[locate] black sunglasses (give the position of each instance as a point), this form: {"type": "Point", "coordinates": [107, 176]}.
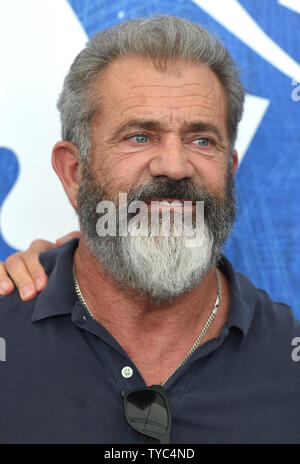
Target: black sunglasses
{"type": "Point", "coordinates": [147, 411]}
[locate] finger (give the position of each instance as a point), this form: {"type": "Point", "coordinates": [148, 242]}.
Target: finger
{"type": "Point", "coordinates": [19, 274]}
{"type": "Point", "coordinates": [66, 238]}
{"type": "Point", "coordinates": [6, 285]}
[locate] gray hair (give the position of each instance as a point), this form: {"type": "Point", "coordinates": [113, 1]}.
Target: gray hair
{"type": "Point", "coordinates": [158, 38]}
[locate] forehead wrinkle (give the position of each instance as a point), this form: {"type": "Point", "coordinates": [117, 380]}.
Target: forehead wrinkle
{"type": "Point", "coordinates": [170, 86]}
{"type": "Point", "coordinates": [209, 108]}
{"type": "Point", "coordinates": [153, 97]}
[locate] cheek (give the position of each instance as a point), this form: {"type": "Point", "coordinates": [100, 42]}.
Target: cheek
{"type": "Point", "coordinates": [129, 172]}
{"type": "Point", "coordinates": [213, 177]}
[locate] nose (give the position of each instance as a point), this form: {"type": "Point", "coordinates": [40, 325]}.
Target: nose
{"type": "Point", "coordinates": [171, 160]}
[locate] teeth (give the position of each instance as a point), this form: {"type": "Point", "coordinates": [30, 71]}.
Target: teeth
{"type": "Point", "coordinates": [167, 203]}
{"type": "Point", "coordinates": [176, 203]}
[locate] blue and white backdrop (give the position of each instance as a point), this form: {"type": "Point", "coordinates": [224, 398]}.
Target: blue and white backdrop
{"type": "Point", "coordinates": [38, 41]}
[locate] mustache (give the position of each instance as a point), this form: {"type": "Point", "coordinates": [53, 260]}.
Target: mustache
{"type": "Point", "coordinates": [183, 189]}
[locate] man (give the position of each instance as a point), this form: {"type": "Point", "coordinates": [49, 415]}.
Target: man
{"type": "Point", "coordinates": [149, 108]}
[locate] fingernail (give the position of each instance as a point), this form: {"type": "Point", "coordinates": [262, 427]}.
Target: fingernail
{"type": "Point", "coordinates": [27, 291]}
{"type": "Point", "coordinates": [4, 285]}
{"type": "Point", "coordinates": [39, 283]}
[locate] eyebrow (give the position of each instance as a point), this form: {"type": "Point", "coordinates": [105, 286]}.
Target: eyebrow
{"type": "Point", "coordinates": [149, 124]}
{"type": "Point", "coordinates": [145, 124]}
{"type": "Point", "coordinates": [199, 126]}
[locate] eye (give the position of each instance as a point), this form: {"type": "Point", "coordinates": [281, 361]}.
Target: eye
{"type": "Point", "coordinates": [202, 142]}
{"type": "Point", "coordinates": [139, 138]}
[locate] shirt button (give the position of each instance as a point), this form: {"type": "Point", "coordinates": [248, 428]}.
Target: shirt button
{"type": "Point", "coordinates": [127, 372]}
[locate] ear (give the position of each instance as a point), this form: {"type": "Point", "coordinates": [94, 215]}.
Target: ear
{"type": "Point", "coordinates": [234, 162]}
{"type": "Point", "coordinates": [66, 164]}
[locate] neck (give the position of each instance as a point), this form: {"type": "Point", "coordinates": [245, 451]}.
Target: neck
{"type": "Point", "coordinates": [136, 322]}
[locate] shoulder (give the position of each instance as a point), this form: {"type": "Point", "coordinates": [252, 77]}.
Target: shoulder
{"type": "Point", "coordinates": [13, 308]}
{"type": "Point", "coordinates": [275, 316]}
{"type": "Point", "coordinates": [273, 326]}
{"type": "Point", "coordinates": [271, 332]}
{"type": "Point", "coordinates": [267, 311]}
{"type": "Point", "coordinates": [14, 311]}
{"type": "Point", "coordinates": [255, 311]}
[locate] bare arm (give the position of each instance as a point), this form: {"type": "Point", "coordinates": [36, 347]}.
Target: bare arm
{"type": "Point", "coordinates": [24, 270]}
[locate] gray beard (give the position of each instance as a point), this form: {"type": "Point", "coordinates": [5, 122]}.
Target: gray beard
{"type": "Point", "coordinates": [163, 268]}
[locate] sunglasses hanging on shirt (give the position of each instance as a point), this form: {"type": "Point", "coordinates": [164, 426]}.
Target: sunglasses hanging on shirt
{"type": "Point", "coordinates": [147, 411]}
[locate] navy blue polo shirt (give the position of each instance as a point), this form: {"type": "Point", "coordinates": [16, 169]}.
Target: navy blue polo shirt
{"type": "Point", "coordinates": [63, 372]}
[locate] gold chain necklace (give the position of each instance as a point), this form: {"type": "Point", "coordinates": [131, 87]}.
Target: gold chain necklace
{"type": "Point", "coordinates": [200, 336]}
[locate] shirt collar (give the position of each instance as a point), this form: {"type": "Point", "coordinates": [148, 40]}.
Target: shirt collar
{"type": "Point", "coordinates": [59, 296]}
{"type": "Point", "coordinates": [243, 297]}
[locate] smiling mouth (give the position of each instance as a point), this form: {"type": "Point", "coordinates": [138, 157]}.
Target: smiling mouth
{"type": "Point", "coordinates": [170, 202]}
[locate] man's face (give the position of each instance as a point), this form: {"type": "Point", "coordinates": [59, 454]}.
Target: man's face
{"type": "Point", "coordinates": [159, 135]}
{"type": "Point", "coordinates": [152, 123]}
